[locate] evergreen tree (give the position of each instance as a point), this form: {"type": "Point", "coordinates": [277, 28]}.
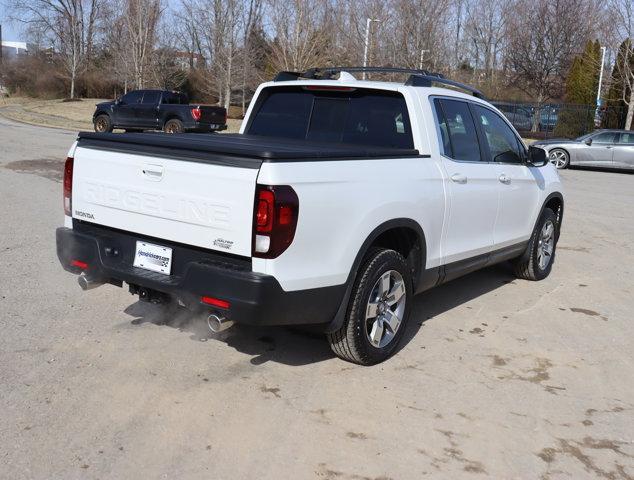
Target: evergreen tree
{"type": "Point", "coordinates": [577, 117]}
{"type": "Point", "coordinates": [615, 107]}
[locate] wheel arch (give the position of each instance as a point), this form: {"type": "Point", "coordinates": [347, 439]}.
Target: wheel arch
{"type": "Point", "coordinates": [554, 201]}
{"type": "Point", "coordinates": [171, 116]}
{"type": "Point", "coordinates": [404, 235]}
{"type": "Point", "coordinates": [99, 113]}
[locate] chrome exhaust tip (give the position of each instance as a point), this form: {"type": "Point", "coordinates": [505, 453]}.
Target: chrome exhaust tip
{"type": "Point", "coordinates": [218, 324]}
{"type": "Point", "coordinates": [87, 283]}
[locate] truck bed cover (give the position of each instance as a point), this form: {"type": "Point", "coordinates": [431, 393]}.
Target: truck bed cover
{"type": "Point", "coordinates": [247, 151]}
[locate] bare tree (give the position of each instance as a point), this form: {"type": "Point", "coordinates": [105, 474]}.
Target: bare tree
{"type": "Point", "coordinates": [622, 14]}
{"type": "Point", "coordinates": [485, 29]}
{"type": "Point", "coordinates": [543, 42]}
{"type": "Point", "coordinates": [68, 25]}
{"type": "Point", "coordinates": [139, 20]}
{"type": "Point", "coordinates": [300, 36]}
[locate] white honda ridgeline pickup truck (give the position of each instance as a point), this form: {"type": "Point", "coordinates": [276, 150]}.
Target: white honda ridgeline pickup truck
{"type": "Point", "coordinates": [337, 202]}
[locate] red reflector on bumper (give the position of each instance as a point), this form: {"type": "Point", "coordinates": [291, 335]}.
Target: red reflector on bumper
{"type": "Point", "coordinates": [215, 302]}
{"type": "Point", "coordinates": [79, 263]}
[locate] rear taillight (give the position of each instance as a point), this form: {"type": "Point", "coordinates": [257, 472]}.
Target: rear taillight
{"type": "Point", "coordinates": [275, 220]}
{"type": "Point", "coordinates": [68, 186]}
{"type": "Point", "coordinates": [196, 113]}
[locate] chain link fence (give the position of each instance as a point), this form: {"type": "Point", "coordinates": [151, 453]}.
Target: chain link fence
{"type": "Point", "coordinates": [560, 120]}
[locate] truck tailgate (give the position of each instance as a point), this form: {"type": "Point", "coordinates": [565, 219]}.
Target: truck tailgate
{"type": "Point", "coordinates": [194, 202]}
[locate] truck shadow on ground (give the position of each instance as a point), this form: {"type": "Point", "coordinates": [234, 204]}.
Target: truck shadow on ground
{"type": "Point", "coordinates": [295, 346]}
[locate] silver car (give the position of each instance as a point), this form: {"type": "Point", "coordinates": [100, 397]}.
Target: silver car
{"type": "Point", "coordinates": [601, 148]}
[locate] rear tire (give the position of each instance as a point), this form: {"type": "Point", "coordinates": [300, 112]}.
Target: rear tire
{"type": "Point", "coordinates": [173, 126]}
{"type": "Point", "coordinates": [378, 310]}
{"type": "Point", "coordinates": [103, 124]}
{"type": "Point", "coordinates": [537, 261]}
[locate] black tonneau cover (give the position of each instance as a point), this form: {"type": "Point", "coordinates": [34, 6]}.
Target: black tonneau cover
{"type": "Point", "coordinates": [248, 151]}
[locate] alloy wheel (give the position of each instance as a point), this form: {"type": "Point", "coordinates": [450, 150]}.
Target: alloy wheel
{"type": "Point", "coordinates": [385, 308]}
{"type": "Point", "coordinates": [546, 245]}
{"type": "Point", "coordinates": [559, 158]}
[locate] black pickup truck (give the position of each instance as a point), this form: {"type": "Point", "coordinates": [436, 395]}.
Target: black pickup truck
{"type": "Point", "coordinates": [171, 112]}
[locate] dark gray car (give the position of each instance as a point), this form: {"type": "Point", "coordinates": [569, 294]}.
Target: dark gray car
{"type": "Point", "coordinates": [601, 148]}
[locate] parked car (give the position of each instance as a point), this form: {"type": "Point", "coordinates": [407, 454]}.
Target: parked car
{"type": "Point", "coordinates": [519, 116]}
{"type": "Point", "coordinates": [548, 116]}
{"type": "Point", "coordinates": [337, 202]}
{"type": "Point", "coordinates": [171, 112]}
{"type": "Point", "coordinates": [601, 148]}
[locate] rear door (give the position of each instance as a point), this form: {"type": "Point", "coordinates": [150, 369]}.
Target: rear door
{"type": "Point", "coordinates": [471, 182]}
{"type": "Point", "coordinates": [147, 110]}
{"type": "Point", "coordinates": [624, 151]}
{"type": "Point", "coordinates": [194, 203]}
{"type": "Point", "coordinates": [519, 193]}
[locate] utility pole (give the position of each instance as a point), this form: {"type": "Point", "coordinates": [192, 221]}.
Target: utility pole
{"type": "Point", "coordinates": [367, 42]}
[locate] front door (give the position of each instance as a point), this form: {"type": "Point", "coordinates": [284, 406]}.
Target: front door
{"type": "Point", "coordinates": [599, 152]}
{"type": "Point", "coordinates": [125, 109]}
{"type": "Point", "coordinates": [472, 187]}
{"type": "Point", "coordinates": [519, 190]}
{"type": "Point", "coordinates": [147, 110]}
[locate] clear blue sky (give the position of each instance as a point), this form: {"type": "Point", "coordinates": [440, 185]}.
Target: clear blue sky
{"type": "Point", "coordinates": [9, 32]}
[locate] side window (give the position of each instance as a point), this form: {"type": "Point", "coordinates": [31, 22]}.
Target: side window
{"type": "Point", "coordinates": [457, 130]}
{"type": "Point", "coordinates": [151, 98]}
{"type": "Point", "coordinates": [627, 138]}
{"type": "Point", "coordinates": [605, 137]}
{"type": "Point", "coordinates": [132, 97]}
{"type": "Point", "coordinates": [502, 142]}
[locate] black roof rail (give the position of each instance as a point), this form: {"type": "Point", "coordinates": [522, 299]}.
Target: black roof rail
{"type": "Point", "coordinates": [427, 80]}
{"type": "Point", "coordinates": [327, 73]}
{"type": "Point", "coordinates": [287, 76]}
{"type": "Point", "coordinates": [417, 78]}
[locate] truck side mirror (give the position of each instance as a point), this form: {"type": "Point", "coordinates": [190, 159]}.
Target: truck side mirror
{"type": "Point", "coordinates": [537, 157]}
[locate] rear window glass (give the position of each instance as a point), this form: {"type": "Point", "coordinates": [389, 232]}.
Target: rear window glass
{"type": "Point", "coordinates": [151, 98]}
{"type": "Point", "coordinates": [360, 117]}
{"type": "Point", "coordinates": [173, 98]}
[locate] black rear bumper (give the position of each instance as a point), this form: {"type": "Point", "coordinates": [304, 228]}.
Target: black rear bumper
{"type": "Point", "coordinates": [254, 298]}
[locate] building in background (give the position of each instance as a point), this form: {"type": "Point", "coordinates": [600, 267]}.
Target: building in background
{"type": "Point", "coordinates": [13, 49]}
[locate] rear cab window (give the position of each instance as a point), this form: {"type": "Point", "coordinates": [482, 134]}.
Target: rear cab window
{"type": "Point", "coordinates": [347, 115]}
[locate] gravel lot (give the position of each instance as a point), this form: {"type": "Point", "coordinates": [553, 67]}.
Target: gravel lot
{"type": "Point", "coordinates": [498, 378]}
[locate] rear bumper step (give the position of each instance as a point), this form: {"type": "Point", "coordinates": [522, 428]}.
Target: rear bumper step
{"type": "Point", "coordinates": [253, 298]}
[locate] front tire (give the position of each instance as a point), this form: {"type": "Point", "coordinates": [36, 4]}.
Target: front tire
{"type": "Point", "coordinates": [559, 158]}
{"type": "Point", "coordinates": [103, 124]}
{"type": "Point", "coordinates": [378, 310]}
{"type": "Point", "coordinates": [537, 261]}
{"type": "Point", "coordinates": [173, 126]}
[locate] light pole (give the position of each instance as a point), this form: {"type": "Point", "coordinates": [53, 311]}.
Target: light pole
{"type": "Point", "coordinates": [422, 54]}
{"type": "Point", "coordinates": [367, 42]}
{"type": "Point", "coordinates": [601, 75]}
{"type": "Point", "coordinates": [596, 113]}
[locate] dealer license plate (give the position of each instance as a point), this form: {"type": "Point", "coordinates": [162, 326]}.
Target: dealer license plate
{"type": "Point", "coordinates": [153, 257]}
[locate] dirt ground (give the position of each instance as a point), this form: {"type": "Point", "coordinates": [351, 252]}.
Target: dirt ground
{"type": "Point", "coordinates": [497, 378]}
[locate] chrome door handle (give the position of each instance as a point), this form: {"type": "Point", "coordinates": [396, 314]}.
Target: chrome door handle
{"type": "Point", "coordinates": [504, 179]}
{"type": "Point", "coordinates": [458, 178]}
